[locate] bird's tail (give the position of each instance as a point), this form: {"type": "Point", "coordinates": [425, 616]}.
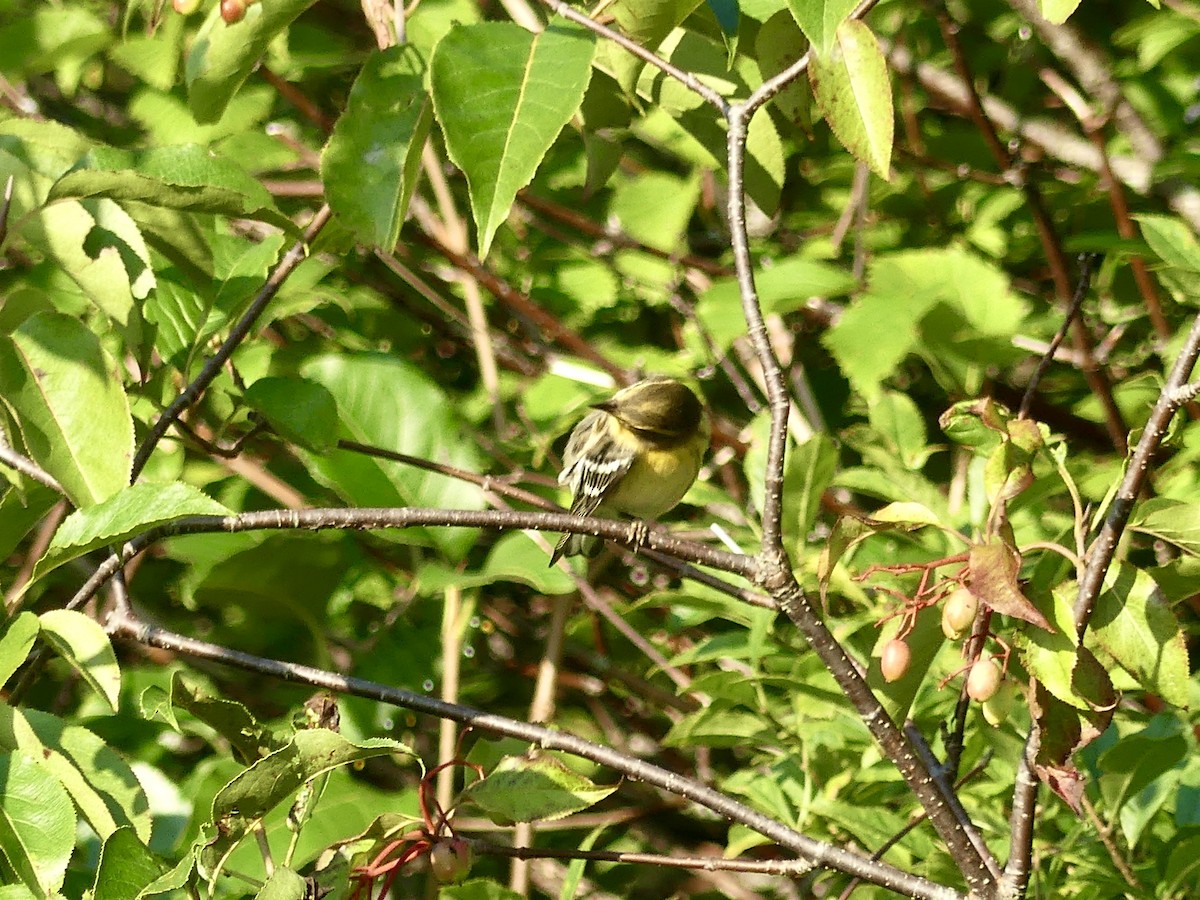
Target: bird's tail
{"type": "Point", "coordinates": [576, 545]}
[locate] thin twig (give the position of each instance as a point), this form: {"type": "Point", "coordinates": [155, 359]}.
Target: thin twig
{"type": "Point", "coordinates": [1087, 264]}
{"type": "Point", "coordinates": [28, 468]}
{"type": "Point", "coordinates": [240, 331]}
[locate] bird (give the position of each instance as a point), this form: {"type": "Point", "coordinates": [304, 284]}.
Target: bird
{"type": "Point", "coordinates": [636, 454]}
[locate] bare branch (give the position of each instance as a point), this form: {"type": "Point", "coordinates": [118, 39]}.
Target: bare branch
{"type": "Point", "coordinates": [817, 852]}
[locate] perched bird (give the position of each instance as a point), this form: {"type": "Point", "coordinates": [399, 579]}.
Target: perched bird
{"type": "Point", "coordinates": [637, 454]}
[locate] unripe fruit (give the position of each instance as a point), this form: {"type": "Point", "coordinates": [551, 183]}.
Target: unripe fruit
{"type": "Point", "coordinates": [958, 613]}
{"type": "Point", "coordinates": [451, 860]}
{"type": "Point", "coordinates": [233, 11]}
{"type": "Point", "coordinates": [186, 7]}
{"type": "Point", "coordinates": [984, 679]}
{"type": "Point", "coordinates": [895, 659]}
{"type": "Point", "coordinates": [996, 709]}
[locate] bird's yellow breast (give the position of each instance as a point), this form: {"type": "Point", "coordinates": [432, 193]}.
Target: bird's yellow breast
{"type": "Point", "coordinates": [658, 478]}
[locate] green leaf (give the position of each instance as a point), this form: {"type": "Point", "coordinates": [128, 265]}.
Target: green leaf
{"type": "Point", "coordinates": [126, 867]}
{"type": "Point", "coordinates": [299, 410]}
{"type": "Point", "coordinates": [277, 776]}
{"type": "Point", "coordinates": [1172, 240]}
{"type": "Point", "coordinates": [101, 784]}
{"type": "Point", "coordinates": [186, 177]}
{"type": "Point", "coordinates": [132, 511]}
{"type": "Point", "coordinates": [100, 247]}
{"type": "Point", "coordinates": [19, 514]}
{"type": "Point", "coordinates": [1133, 623]}
{"type": "Point", "coordinates": [222, 56]}
{"type": "Point", "coordinates": [1173, 521]}
{"type": "Point", "coordinates": [386, 402]}
{"type": "Point", "coordinates": [782, 288]}
{"type": "Point", "coordinates": [517, 558]}
{"type": "Point", "coordinates": [284, 884]}
{"type": "Point", "coordinates": [248, 738]}
{"type": "Point", "coordinates": [819, 20]}
{"type": "Point", "coordinates": [70, 405]}
{"type": "Point", "coordinates": [83, 644]}
{"type": "Point", "coordinates": [1057, 11]}
{"type": "Point", "coordinates": [16, 642]}
{"type": "Point", "coordinates": [372, 160]}
{"type": "Point", "coordinates": [502, 94]}
{"type": "Point", "coordinates": [37, 823]}
{"type": "Point", "coordinates": [478, 889]}
{"type": "Point", "coordinates": [780, 44]}
{"type": "Point", "coordinates": [524, 789]}
{"type": "Point", "coordinates": [851, 86]}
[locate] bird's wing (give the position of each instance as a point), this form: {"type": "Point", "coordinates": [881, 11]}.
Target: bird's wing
{"type": "Point", "coordinates": [594, 463]}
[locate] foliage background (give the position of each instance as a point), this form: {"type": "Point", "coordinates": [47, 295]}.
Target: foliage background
{"type": "Point", "coordinates": [164, 163]}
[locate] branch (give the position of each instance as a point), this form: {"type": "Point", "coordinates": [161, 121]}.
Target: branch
{"type": "Point", "coordinates": [28, 468]}
{"type": "Point", "coordinates": [687, 79]}
{"type": "Point", "coordinates": [818, 852]}
{"type": "Point", "coordinates": [633, 534]}
{"type": "Point", "coordinates": [240, 331]}
{"type": "Point", "coordinates": [1173, 395]}
{"type": "Point", "coordinates": [1088, 263]}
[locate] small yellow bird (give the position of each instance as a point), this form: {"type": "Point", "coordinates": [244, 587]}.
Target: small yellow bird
{"type": "Point", "coordinates": [636, 454]}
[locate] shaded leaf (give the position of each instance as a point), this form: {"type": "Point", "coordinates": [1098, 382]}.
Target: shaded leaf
{"type": "Point", "coordinates": [524, 789]}
{"type": "Point", "coordinates": [222, 56]}
{"type": "Point", "coordinates": [389, 403]}
{"type": "Point", "coordinates": [1137, 627]}
{"type": "Point", "coordinates": [67, 394]}
{"type": "Point", "coordinates": [126, 867]}
{"type": "Point", "coordinates": [132, 511]}
{"type": "Point", "coordinates": [83, 644]}
{"type": "Point", "coordinates": [186, 177]}
{"type": "Point", "coordinates": [372, 160]}
{"type": "Point", "coordinates": [1174, 521]}
{"type": "Point", "coordinates": [37, 823]}
{"type": "Point", "coordinates": [299, 410]}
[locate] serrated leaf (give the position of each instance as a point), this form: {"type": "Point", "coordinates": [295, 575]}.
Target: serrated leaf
{"type": "Point", "coordinates": [100, 783]}
{"type": "Point", "coordinates": [1057, 11]}
{"type": "Point", "coordinates": [284, 884]}
{"type": "Point", "coordinates": [16, 642]}
{"type": "Point", "coordinates": [780, 44]}
{"type": "Point", "coordinates": [70, 405]}
{"type": "Point", "coordinates": [299, 410]}
{"type": "Point", "coordinates": [277, 776]}
{"type": "Point", "coordinates": [1174, 521]}
{"type": "Point", "coordinates": [524, 789]}
{"type": "Point", "coordinates": [389, 403]}
{"type": "Point", "coordinates": [37, 823]}
{"type": "Point", "coordinates": [100, 247]}
{"type": "Point", "coordinates": [223, 56]}
{"type": "Point", "coordinates": [126, 867]}
{"type": "Point", "coordinates": [1137, 627]}
{"type": "Point", "coordinates": [1172, 240]}
{"type": "Point", "coordinates": [502, 94]}
{"type": "Point", "coordinates": [372, 160]}
{"type": "Point", "coordinates": [82, 643]}
{"type": "Point", "coordinates": [132, 511]}
{"type": "Point", "coordinates": [820, 19]}
{"type": "Point", "coordinates": [992, 577]}
{"type": "Point", "coordinates": [248, 738]}
{"type": "Point", "coordinates": [185, 177]}
{"type": "Point", "coordinates": [851, 87]}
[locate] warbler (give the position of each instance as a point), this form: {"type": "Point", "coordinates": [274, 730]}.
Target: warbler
{"type": "Point", "coordinates": [636, 453]}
